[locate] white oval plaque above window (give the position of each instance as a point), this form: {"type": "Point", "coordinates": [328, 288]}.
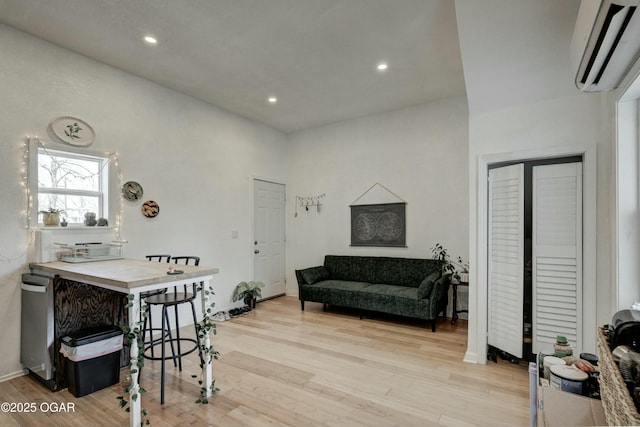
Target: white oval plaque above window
{"type": "Point", "coordinates": [72, 131]}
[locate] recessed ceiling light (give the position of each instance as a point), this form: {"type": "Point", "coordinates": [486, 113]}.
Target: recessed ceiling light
{"type": "Point", "coordinates": [272, 100]}
{"type": "Point", "coordinates": [382, 66]}
{"type": "Point", "coordinates": [150, 40]}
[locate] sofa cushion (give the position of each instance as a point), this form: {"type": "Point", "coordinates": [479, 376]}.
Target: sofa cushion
{"type": "Point", "coordinates": [400, 300]}
{"type": "Point", "coordinates": [426, 286]}
{"type": "Point", "coordinates": [391, 290]}
{"type": "Point", "coordinates": [342, 285]}
{"type": "Point", "coordinates": [358, 269]}
{"type": "Point", "coordinates": [339, 292]}
{"type": "Point", "coordinates": [314, 274]}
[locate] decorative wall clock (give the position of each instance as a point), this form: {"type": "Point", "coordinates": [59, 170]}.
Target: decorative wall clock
{"type": "Point", "coordinates": [72, 131]}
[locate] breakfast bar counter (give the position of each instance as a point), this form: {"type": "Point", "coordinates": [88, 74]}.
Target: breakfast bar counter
{"type": "Point", "coordinates": [124, 275]}
{"type": "Point", "coordinates": [131, 277]}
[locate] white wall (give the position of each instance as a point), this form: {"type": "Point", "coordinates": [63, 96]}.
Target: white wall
{"type": "Point", "coordinates": [562, 126]}
{"type": "Point", "coordinates": [195, 160]}
{"type": "Point", "coordinates": [624, 110]}
{"type": "Point", "coordinates": [523, 102]}
{"type": "Point", "coordinates": [418, 153]}
{"type": "Point", "coordinates": [626, 247]}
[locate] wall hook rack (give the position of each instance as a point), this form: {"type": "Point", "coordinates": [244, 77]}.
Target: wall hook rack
{"type": "Point", "coordinates": [307, 202]}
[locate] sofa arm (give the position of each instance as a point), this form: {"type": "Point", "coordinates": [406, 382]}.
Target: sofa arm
{"type": "Point", "coordinates": [299, 278]}
{"type": "Point", "coordinates": [426, 286]}
{"type": "Point", "coordinates": [311, 275]}
{"type": "Point", "coordinates": [439, 295]}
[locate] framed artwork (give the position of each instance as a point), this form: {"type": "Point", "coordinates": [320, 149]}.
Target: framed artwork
{"type": "Point", "coordinates": [379, 225]}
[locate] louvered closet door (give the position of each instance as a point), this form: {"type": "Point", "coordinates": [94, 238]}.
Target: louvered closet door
{"type": "Point", "coordinates": [506, 229]}
{"type": "Point", "coordinates": [557, 254]}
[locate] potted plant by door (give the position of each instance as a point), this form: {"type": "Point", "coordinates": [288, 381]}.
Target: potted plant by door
{"type": "Point", "coordinates": [248, 292]}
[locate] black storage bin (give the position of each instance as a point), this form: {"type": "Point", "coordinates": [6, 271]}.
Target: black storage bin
{"type": "Point", "coordinates": [92, 359]}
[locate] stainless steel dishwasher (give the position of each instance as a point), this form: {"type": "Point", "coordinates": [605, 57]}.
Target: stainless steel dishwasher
{"type": "Point", "coordinates": [37, 330]}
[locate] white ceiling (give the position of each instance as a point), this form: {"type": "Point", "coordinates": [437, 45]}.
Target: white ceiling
{"type": "Point", "coordinates": [318, 57]}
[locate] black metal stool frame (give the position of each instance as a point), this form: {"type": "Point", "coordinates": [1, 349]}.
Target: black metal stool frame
{"type": "Point", "coordinates": [174, 299]}
{"type": "Point", "coordinates": [151, 343]}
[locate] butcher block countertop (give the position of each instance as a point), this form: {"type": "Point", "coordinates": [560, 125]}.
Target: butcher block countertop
{"type": "Point", "coordinates": [124, 274]}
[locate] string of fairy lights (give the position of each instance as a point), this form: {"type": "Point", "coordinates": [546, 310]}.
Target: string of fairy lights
{"type": "Point", "coordinates": [25, 176]}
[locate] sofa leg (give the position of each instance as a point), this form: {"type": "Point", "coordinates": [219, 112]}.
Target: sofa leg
{"type": "Point", "coordinates": [302, 305]}
{"type": "Point", "coordinates": [324, 307]}
{"type": "Point", "coordinates": [433, 325]}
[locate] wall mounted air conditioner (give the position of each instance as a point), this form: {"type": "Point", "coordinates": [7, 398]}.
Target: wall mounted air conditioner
{"type": "Point", "coordinates": [605, 43]}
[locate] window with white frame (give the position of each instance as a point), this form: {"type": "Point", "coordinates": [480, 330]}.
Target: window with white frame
{"type": "Point", "coordinates": [70, 182]}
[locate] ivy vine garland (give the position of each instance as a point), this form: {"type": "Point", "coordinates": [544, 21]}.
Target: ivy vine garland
{"type": "Point", "coordinates": [134, 335]}
{"type": "Point", "coordinates": [207, 354]}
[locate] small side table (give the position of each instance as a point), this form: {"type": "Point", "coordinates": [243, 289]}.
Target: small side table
{"type": "Point", "coordinates": [455, 311]}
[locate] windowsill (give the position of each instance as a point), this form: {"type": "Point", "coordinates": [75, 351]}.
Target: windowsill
{"type": "Point", "coordinates": [71, 227]}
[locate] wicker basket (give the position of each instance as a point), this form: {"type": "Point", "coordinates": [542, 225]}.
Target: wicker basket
{"type": "Point", "coordinates": [618, 406]}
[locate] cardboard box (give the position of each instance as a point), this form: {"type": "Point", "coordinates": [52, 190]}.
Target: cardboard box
{"type": "Point", "coordinates": [562, 409]}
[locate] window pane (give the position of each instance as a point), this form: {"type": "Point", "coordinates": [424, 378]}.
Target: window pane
{"type": "Point", "coordinates": [74, 207]}
{"type": "Point", "coordinates": [71, 182]}
{"type": "Point", "coordinates": [67, 172]}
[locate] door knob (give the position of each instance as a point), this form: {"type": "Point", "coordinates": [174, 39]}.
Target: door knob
{"type": "Point", "coordinates": [257, 251]}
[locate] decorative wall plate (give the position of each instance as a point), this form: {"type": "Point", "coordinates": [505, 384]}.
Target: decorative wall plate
{"type": "Point", "coordinates": [131, 191]}
{"type": "Point", "coordinates": [72, 131]}
{"type": "Point", "coordinates": [150, 209]}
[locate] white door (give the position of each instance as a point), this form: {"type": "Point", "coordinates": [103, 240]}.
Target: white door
{"type": "Point", "coordinates": [269, 236]}
{"type": "Point", "coordinates": [557, 254]}
{"type": "Point", "coordinates": [506, 254]}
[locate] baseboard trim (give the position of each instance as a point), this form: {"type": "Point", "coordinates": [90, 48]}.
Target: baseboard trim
{"type": "Point", "coordinates": [271, 297]}
{"type": "Point", "coordinates": [11, 376]}
{"type": "Point", "coordinates": [470, 357]}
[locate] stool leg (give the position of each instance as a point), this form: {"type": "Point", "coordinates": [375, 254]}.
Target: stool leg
{"type": "Point", "coordinates": [150, 332]}
{"type": "Point", "coordinates": [142, 350]}
{"type": "Point", "coordinates": [195, 322]}
{"type": "Point", "coordinates": [144, 333]}
{"type": "Point", "coordinates": [178, 339]}
{"type": "Point", "coordinates": [162, 371]}
{"type": "Point", "coordinates": [167, 331]}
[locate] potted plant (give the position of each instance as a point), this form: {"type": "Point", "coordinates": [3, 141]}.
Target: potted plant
{"type": "Point", "coordinates": [51, 217]}
{"type": "Point", "coordinates": [464, 270]}
{"type": "Point", "coordinates": [459, 270]}
{"type": "Point", "coordinates": [248, 292]}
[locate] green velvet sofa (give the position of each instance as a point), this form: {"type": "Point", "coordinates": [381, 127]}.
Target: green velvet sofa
{"type": "Point", "coordinates": [409, 287]}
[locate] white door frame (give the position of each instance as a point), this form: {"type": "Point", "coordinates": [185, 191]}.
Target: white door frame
{"type": "Point", "coordinates": [255, 178]}
{"type": "Point", "coordinates": [478, 283]}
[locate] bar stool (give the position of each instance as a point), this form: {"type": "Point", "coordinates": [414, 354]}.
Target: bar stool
{"type": "Point", "coordinates": [180, 295]}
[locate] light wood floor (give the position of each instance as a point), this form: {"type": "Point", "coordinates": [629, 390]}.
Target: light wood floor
{"type": "Point", "coordinates": [283, 367]}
